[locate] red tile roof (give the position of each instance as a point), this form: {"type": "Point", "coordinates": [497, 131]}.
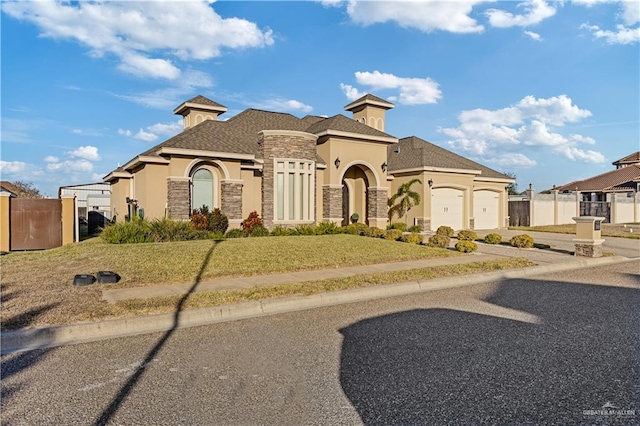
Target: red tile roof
{"type": "Point", "coordinates": [615, 179]}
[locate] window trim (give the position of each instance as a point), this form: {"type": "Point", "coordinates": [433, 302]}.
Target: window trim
{"type": "Point", "coordinates": [306, 214]}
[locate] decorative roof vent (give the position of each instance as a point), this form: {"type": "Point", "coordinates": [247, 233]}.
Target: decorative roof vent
{"type": "Point", "coordinates": [370, 110]}
{"type": "Point", "coordinates": [199, 109]}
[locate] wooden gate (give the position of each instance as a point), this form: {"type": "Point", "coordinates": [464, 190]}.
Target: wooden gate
{"type": "Point", "coordinates": [35, 224]}
{"type": "Point", "coordinates": [519, 213]}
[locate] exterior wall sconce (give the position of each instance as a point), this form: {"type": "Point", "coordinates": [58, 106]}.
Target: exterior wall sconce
{"type": "Point", "coordinates": [384, 166]}
{"type": "Point", "coordinates": [430, 182]}
{"type": "Point", "coordinates": [337, 162]}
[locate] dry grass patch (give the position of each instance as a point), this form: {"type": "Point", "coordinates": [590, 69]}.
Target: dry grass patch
{"type": "Point", "coordinates": [37, 286]}
{"type": "Point", "coordinates": [217, 298]}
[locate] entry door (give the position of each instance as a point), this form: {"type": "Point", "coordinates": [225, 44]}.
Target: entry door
{"type": "Point", "coordinates": [447, 208]}
{"type": "Point", "coordinates": [486, 209]}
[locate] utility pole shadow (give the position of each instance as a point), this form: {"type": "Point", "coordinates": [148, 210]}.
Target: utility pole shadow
{"type": "Point", "coordinates": [122, 394]}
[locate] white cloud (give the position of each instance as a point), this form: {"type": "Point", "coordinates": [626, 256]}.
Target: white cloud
{"type": "Point", "coordinates": [85, 152]}
{"type": "Point", "coordinates": [279, 104]}
{"type": "Point", "coordinates": [531, 124]}
{"type": "Point", "coordinates": [623, 35]}
{"type": "Point", "coordinates": [535, 11]}
{"type": "Point", "coordinates": [13, 167]}
{"type": "Point", "coordinates": [513, 159]}
{"type": "Point", "coordinates": [351, 92]}
{"type": "Point", "coordinates": [170, 129]}
{"type": "Point", "coordinates": [412, 91]}
{"type": "Point", "coordinates": [142, 34]}
{"type": "Point", "coordinates": [77, 131]}
{"type": "Point", "coordinates": [427, 16]}
{"type": "Point", "coordinates": [123, 132]}
{"type": "Point", "coordinates": [51, 159]}
{"type": "Point", "coordinates": [534, 36]}
{"type": "Point", "coordinates": [145, 136]}
{"type": "Point", "coordinates": [331, 3]}
{"type": "Point", "coordinates": [71, 166]}
{"type": "Point", "coordinates": [629, 11]}
{"type": "Point", "coordinates": [97, 177]}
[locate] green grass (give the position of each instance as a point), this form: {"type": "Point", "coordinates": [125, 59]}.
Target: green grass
{"type": "Point", "coordinates": [37, 286]}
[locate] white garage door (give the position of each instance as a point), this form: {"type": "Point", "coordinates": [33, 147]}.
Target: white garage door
{"type": "Point", "coordinates": [446, 208]}
{"type": "Point", "coordinates": [486, 209]}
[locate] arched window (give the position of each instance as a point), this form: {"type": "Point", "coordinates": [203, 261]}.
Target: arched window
{"type": "Point", "coordinates": [202, 189]}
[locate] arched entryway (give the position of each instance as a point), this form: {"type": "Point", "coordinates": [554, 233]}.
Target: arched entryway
{"type": "Point", "coordinates": [355, 184]}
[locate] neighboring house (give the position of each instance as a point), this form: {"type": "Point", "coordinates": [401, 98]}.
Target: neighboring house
{"type": "Point", "coordinates": [304, 170]}
{"type": "Point", "coordinates": [90, 197]}
{"type": "Point", "coordinates": [9, 187]}
{"type": "Point", "coordinates": [20, 190]}
{"type": "Point", "coordinates": [624, 179]}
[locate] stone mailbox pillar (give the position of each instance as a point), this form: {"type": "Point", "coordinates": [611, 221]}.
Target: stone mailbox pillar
{"type": "Point", "coordinates": [588, 236]}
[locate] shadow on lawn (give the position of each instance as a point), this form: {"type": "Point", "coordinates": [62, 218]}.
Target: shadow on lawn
{"type": "Point", "coordinates": [126, 389]}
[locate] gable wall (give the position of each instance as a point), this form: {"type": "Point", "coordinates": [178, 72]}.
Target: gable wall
{"type": "Point", "coordinates": [120, 190]}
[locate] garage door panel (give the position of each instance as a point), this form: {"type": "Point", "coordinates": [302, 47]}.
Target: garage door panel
{"type": "Point", "coordinates": [486, 209]}
{"type": "Point", "coordinates": [447, 208]}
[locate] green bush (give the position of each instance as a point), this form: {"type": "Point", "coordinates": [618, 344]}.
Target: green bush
{"type": "Point", "coordinates": [281, 231]}
{"type": "Point", "coordinates": [174, 230]}
{"type": "Point", "coordinates": [350, 229]}
{"type": "Point", "coordinates": [439, 240]}
{"type": "Point", "coordinates": [445, 230]}
{"type": "Point", "coordinates": [306, 230]}
{"type": "Point", "coordinates": [466, 246]}
{"type": "Point", "coordinates": [237, 233]}
{"type": "Point", "coordinates": [135, 231]}
{"type": "Point", "coordinates": [260, 231]}
{"type": "Point", "coordinates": [415, 228]}
{"type": "Point", "coordinates": [393, 234]}
{"type": "Point", "coordinates": [397, 225]}
{"type": "Point", "coordinates": [327, 228]}
{"type": "Point", "coordinates": [493, 238]}
{"type": "Point", "coordinates": [354, 217]}
{"type": "Point", "coordinates": [376, 232]}
{"type": "Point", "coordinates": [522, 241]}
{"type": "Point", "coordinates": [413, 238]}
{"type": "Point", "coordinates": [467, 235]}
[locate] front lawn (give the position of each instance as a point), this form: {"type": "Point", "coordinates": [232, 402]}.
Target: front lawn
{"type": "Point", "coordinates": [37, 286]}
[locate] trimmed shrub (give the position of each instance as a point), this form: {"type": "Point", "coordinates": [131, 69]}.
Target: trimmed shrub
{"type": "Point", "coordinates": [306, 230]}
{"type": "Point", "coordinates": [174, 230]}
{"type": "Point", "coordinates": [439, 240]}
{"type": "Point", "coordinates": [281, 231]}
{"type": "Point", "coordinates": [466, 246]}
{"type": "Point", "coordinates": [493, 238]}
{"type": "Point", "coordinates": [397, 225]}
{"type": "Point", "coordinates": [413, 238]}
{"type": "Point", "coordinates": [251, 222]}
{"type": "Point", "coordinates": [467, 235]}
{"type": "Point", "coordinates": [236, 233]}
{"type": "Point", "coordinates": [376, 232]}
{"type": "Point", "coordinates": [350, 229]}
{"type": "Point", "coordinates": [260, 231]}
{"type": "Point", "coordinates": [415, 228]}
{"type": "Point", "coordinates": [354, 217]}
{"type": "Point", "coordinates": [215, 221]}
{"type": "Point", "coordinates": [522, 241]}
{"type": "Point", "coordinates": [327, 228]}
{"type": "Point", "coordinates": [135, 231]}
{"type": "Point", "coordinates": [393, 234]}
{"type": "Point", "coordinates": [445, 230]}
{"type": "Point", "coordinates": [363, 230]}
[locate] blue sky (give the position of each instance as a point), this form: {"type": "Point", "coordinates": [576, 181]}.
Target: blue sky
{"type": "Point", "coordinates": [548, 91]}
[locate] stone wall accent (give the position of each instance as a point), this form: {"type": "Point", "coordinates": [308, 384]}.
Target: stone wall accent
{"type": "Point", "coordinates": [178, 198]}
{"type": "Point", "coordinates": [331, 203]}
{"type": "Point", "coordinates": [472, 223]}
{"type": "Point", "coordinates": [588, 250]}
{"type": "Point", "coordinates": [423, 223]}
{"type": "Point", "coordinates": [377, 203]}
{"type": "Point", "coordinates": [231, 199]}
{"type": "Point", "coordinates": [281, 144]}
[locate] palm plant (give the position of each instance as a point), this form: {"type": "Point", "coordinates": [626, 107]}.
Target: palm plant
{"type": "Point", "coordinates": [402, 201]}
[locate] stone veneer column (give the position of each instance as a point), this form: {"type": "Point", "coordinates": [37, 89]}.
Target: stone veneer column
{"type": "Point", "coordinates": [332, 204]}
{"type": "Point", "coordinates": [178, 198]}
{"type": "Point", "coordinates": [377, 208]}
{"type": "Point", "coordinates": [231, 201]}
{"type": "Point", "coordinates": [283, 144]}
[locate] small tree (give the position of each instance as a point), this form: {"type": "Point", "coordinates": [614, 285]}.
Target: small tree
{"type": "Point", "coordinates": [401, 202]}
{"type": "Point", "coordinates": [512, 188]}
{"type": "Point", "coordinates": [26, 189]}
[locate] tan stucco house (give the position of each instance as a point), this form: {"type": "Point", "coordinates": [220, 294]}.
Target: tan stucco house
{"type": "Point", "coordinates": [305, 170]}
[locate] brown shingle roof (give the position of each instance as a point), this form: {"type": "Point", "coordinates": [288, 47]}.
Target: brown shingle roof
{"type": "Point", "coordinates": [413, 152]}
{"type": "Point", "coordinates": [204, 101]}
{"type": "Point", "coordinates": [629, 159]}
{"type": "Point", "coordinates": [367, 97]}
{"type": "Point", "coordinates": [619, 178]}
{"type": "Point", "coordinates": [341, 123]}
{"type": "Point", "coordinates": [9, 187]}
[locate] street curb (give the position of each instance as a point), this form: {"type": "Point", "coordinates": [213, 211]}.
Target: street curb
{"type": "Point", "coordinates": [48, 337]}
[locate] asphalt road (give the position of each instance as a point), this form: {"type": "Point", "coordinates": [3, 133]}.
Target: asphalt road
{"type": "Point", "coordinates": [545, 350]}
